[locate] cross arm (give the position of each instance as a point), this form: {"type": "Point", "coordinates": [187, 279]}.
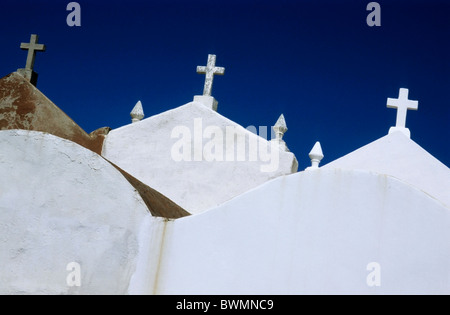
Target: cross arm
{"type": "Point", "coordinates": [395, 103]}
{"type": "Point", "coordinates": [201, 69]}
{"type": "Point", "coordinates": [37, 47]}
{"type": "Point", "coordinates": [219, 70]}
{"type": "Point", "coordinates": [392, 103]}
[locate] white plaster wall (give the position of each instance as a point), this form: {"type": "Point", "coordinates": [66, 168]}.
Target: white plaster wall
{"type": "Point", "coordinates": [61, 203]}
{"type": "Point", "coordinates": [312, 233]}
{"type": "Point", "coordinates": [399, 156]}
{"type": "Point", "coordinates": [143, 149]}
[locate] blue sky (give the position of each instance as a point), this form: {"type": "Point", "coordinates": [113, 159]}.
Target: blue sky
{"type": "Point", "coordinates": [318, 62]}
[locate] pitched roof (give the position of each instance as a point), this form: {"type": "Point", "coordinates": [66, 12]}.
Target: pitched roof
{"type": "Point", "coordinates": [397, 155]}
{"type": "Point", "coordinates": [199, 182]}
{"type": "Point", "coordinates": [23, 106]}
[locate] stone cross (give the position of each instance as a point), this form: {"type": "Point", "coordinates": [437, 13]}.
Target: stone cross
{"type": "Point", "coordinates": [32, 48]}
{"type": "Point", "coordinates": [210, 70]}
{"type": "Point", "coordinates": [402, 104]}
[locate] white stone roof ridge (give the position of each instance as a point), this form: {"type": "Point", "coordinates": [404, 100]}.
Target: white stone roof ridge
{"type": "Point", "coordinates": [164, 152]}
{"type": "Point", "coordinates": [198, 105]}
{"type": "Point", "coordinates": [268, 187]}
{"type": "Point", "coordinates": [399, 156]}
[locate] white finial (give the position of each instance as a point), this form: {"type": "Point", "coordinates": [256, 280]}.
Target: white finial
{"type": "Point", "coordinates": [137, 114]}
{"type": "Point", "coordinates": [316, 155]}
{"type": "Point", "coordinates": [402, 104]}
{"type": "Point", "coordinates": [280, 129]}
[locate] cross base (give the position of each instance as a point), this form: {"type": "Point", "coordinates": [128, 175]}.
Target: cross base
{"type": "Point", "coordinates": [403, 130]}
{"type": "Point", "coordinates": [28, 74]}
{"type": "Point", "coordinates": [206, 100]}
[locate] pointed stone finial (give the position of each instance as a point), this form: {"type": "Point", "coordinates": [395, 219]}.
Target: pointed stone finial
{"type": "Point", "coordinates": [316, 155]}
{"type": "Point", "coordinates": [402, 104]}
{"type": "Point", "coordinates": [137, 114]}
{"type": "Point", "coordinates": [280, 129]}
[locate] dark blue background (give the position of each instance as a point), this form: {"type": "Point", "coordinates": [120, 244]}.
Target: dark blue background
{"type": "Point", "coordinates": [315, 61]}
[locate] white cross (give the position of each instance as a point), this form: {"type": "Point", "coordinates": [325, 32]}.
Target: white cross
{"type": "Point", "coordinates": [210, 70]}
{"type": "Point", "coordinates": [402, 104]}
{"type": "Point", "coordinates": [32, 48]}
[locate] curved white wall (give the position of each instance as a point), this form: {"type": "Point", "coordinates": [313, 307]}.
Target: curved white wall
{"type": "Point", "coordinates": [313, 233]}
{"type": "Point", "coordinates": [61, 203]}
{"type": "Point", "coordinates": [310, 232]}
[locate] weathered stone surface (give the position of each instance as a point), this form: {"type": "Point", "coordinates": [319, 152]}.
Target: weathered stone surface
{"type": "Point", "coordinates": [137, 114]}
{"type": "Point", "coordinates": [32, 48]}
{"type": "Point", "coordinates": [280, 129]}
{"type": "Point", "coordinates": [210, 70]}
{"type": "Point", "coordinates": [28, 74]}
{"type": "Point", "coordinates": [23, 106]}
